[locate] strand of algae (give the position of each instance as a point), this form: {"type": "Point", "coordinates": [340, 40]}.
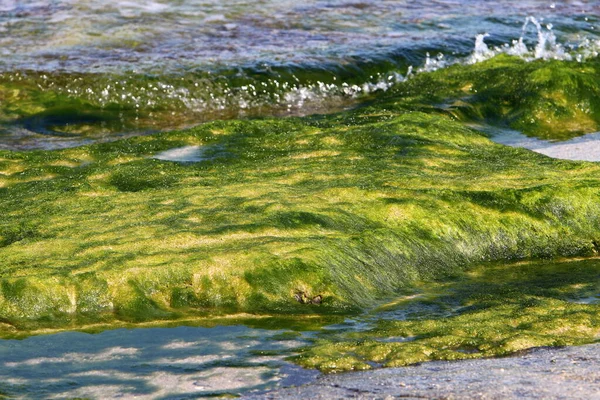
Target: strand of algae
{"type": "Point", "coordinates": [353, 207]}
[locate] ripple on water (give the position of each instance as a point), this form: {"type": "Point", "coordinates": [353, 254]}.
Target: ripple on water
{"type": "Point", "coordinates": [147, 363]}
{"type": "Point", "coordinates": [117, 35]}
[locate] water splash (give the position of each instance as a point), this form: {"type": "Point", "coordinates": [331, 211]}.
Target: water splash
{"type": "Point", "coordinates": [481, 51]}
{"type": "Point", "coordinates": [546, 47]}
{"type": "Point", "coordinates": [518, 48]}
{"type": "Point", "coordinates": [588, 49]}
{"type": "Point", "coordinates": [197, 81]}
{"type": "Point", "coordinates": [433, 64]}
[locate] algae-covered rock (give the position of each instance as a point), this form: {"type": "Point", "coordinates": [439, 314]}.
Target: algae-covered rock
{"type": "Point", "coordinates": [548, 99]}
{"type": "Point", "coordinates": [495, 310]}
{"type": "Point", "coordinates": [349, 208]}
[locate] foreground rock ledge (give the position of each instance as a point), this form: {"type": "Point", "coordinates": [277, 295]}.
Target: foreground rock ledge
{"type": "Point", "coordinates": [548, 373]}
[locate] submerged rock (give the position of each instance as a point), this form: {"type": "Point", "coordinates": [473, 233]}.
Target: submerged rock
{"type": "Point", "coordinates": [303, 298]}
{"type": "Point", "coordinates": [550, 373]}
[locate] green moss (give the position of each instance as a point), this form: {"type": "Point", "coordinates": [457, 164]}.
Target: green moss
{"type": "Point", "coordinates": [10, 234]}
{"type": "Point", "coordinates": [496, 309]}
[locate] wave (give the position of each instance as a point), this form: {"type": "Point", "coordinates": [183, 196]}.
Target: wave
{"type": "Point", "coordinates": [49, 109]}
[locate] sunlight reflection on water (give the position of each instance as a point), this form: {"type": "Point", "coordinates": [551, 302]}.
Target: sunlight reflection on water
{"type": "Point", "coordinates": [147, 363]}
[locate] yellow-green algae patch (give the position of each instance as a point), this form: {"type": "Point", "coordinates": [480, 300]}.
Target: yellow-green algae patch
{"type": "Point", "coordinates": [491, 310]}
{"type": "Point", "coordinates": [349, 208]}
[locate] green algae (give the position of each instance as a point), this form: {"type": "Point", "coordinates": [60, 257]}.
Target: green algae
{"type": "Point", "coordinates": [353, 207]}
{"type": "Point", "coordinates": [292, 326]}
{"type": "Point", "coordinates": [495, 310]}
{"type": "Point", "coordinates": [554, 100]}
{"type": "Point", "coordinates": [57, 104]}
{"type": "Point", "coordinates": [343, 212]}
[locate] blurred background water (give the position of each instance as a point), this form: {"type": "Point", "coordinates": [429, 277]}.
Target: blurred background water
{"type": "Point", "coordinates": [175, 36]}
{"type": "Point", "coordinates": [74, 72]}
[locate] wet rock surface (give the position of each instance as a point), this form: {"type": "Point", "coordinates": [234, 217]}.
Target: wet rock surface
{"type": "Point", "coordinates": [548, 373]}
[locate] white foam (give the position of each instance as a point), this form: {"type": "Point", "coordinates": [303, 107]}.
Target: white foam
{"type": "Point", "coordinates": [432, 64]}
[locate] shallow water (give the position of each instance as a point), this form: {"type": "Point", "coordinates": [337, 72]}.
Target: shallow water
{"type": "Point", "coordinates": [583, 148]}
{"type": "Point", "coordinates": [192, 362]}
{"type": "Point", "coordinates": [120, 35]}
{"type": "Point", "coordinates": [180, 362]}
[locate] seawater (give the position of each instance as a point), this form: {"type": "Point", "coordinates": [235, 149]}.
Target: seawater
{"type": "Point", "coordinates": [160, 36]}
{"type": "Point", "coordinates": [229, 360]}
{"type": "Point", "coordinates": [137, 67]}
